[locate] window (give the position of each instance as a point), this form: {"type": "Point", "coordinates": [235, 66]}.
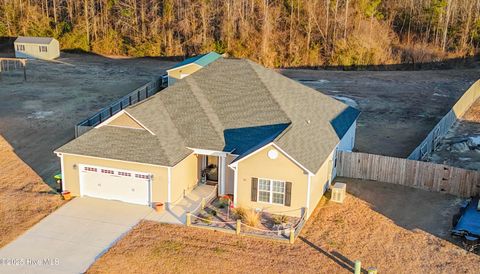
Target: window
{"type": "Point", "coordinates": [271, 191]}
{"type": "Point", "coordinates": [20, 47]}
{"type": "Point", "coordinates": [141, 176]}
{"type": "Point", "coordinates": [92, 169]}
{"type": "Point", "coordinates": [107, 171]}
{"type": "Point", "coordinates": [126, 174]}
{"type": "Point", "coordinates": [42, 48]}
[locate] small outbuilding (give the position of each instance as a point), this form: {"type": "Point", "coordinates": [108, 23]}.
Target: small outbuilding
{"type": "Point", "coordinates": [46, 48]}
{"type": "Point", "coordinates": [190, 65]}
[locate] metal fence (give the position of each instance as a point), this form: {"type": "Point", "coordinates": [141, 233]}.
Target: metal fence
{"type": "Point", "coordinates": [133, 97]}
{"type": "Point", "coordinates": [417, 174]}
{"type": "Point", "coordinates": [443, 126]}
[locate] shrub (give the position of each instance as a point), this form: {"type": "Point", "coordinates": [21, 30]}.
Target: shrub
{"type": "Point", "coordinates": [239, 212]}
{"type": "Point", "coordinates": [251, 218]}
{"type": "Point", "coordinates": [279, 219]}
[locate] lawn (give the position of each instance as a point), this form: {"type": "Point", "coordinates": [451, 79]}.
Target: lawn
{"type": "Point", "coordinates": [24, 198]}
{"type": "Point", "coordinates": [334, 237]}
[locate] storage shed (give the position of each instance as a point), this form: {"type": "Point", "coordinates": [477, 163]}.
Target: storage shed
{"type": "Point", "coordinates": [37, 47]}
{"type": "Point", "coordinates": [190, 65]}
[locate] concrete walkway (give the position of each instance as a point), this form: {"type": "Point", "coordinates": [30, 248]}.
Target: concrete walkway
{"type": "Point", "coordinates": [70, 239]}
{"type": "Point", "coordinates": [177, 214]}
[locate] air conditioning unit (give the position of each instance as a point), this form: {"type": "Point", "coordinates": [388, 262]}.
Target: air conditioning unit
{"type": "Point", "coordinates": [338, 192]}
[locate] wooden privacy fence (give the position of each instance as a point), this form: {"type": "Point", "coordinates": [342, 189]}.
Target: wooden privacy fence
{"type": "Point", "coordinates": [424, 175]}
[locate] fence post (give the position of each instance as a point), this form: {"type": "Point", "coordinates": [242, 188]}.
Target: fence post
{"type": "Point", "coordinates": [203, 203]}
{"type": "Point", "coordinates": [372, 270]}
{"type": "Point", "coordinates": [358, 267]}
{"type": "Point", "coordinates": [292, 236]}
{"type": "Point", "coordinates": [239, 226]}
{"type": "Point", "coordinates": [189, 219]}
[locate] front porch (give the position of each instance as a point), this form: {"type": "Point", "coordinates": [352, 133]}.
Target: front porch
{"type": "Point", "coordinates": [176, 214]}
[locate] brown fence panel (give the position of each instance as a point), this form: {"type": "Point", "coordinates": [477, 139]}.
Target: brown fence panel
{"type": "Point", "coordinates": [424, 175]}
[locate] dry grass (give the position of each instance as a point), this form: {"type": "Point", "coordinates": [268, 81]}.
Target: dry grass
{"type": "Point", "coordinates": [335, 236]}
{"type": "Point", "coordinates": [24, 197]}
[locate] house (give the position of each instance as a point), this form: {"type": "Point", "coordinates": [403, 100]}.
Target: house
{"type": "Point", "coordinates": [37, 47]}
{"type": "Point", "coordinates": [190, 65]}
{"type": "Point", "coordinates": [268, 140]}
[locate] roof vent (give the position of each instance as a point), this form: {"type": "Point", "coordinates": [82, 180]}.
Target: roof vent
{"type": "Point", "coordinates": [308, 122]}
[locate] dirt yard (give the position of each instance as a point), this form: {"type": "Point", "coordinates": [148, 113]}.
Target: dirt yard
{"type": "Point", "coordinates": [39, 115]}
{"type": "Point", "coordinates": [24, 198]}
{"type": "Point", "coordinates": [399, 108]}
{"type": "Point", "coordinates": [461, 145]}
{"type": "Point", "coordinates": [396, 234]}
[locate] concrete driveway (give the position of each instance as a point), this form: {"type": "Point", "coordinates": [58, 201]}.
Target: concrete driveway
{"type": "Point", "coordinates": [72, 238]}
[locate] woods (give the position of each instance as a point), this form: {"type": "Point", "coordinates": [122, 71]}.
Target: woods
{"type": "Point", "coordinates": [276, 33]}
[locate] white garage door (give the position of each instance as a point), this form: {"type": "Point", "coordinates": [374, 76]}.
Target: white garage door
{"type": "Point", "coordinates": [115, 184]}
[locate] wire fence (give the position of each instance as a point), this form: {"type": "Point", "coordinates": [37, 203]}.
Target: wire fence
{"type": "Point", "coordinates": [133, 97]}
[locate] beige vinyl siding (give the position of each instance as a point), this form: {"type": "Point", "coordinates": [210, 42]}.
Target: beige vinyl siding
{"type": "Point", "coordinates": [318, 182]}
{"type": "Point", "coordinates": [259, 165]}
{"type": "Point", "coordinates": [32, 50]}
{"type": "Point", "coordinates": [184, 177]}
{"type": "Point", "coordinates": [125, 121]}
{"type": "Point", "coordinates": [176, 73]}
{"type": "Point", "coordinates": [229, 175]}
{"type": "Point", "coordinates": [71, 173]}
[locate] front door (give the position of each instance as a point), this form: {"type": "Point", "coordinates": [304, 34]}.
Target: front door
{"type": "Point", "coordinates": [212, 168]}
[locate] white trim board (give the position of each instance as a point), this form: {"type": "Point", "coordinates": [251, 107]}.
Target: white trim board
{"type": "Point", "coordinates": [116, 115]}
{"type": "Point", "coordinates": [110, 159]}
{"type": "Point", "coordinates": [235, 164]}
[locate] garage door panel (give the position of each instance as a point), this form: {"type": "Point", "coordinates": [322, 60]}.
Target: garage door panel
{"type": "Point", "coordinates": [113, 184]}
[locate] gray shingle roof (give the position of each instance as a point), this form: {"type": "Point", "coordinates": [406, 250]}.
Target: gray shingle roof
{"type": "Point", "coordinates": [198, 110]}
{"type": "Point", "coordinates": [34, 40]}
{"type": "Point", "coordinates": [119, 143]}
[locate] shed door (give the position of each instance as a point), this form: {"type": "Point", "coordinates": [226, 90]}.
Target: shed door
{"type": "Point", "coordinates": [114, 184]}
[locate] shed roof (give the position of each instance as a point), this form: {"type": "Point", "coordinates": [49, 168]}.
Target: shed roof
{"type": "Point", "coordinates": [201, 60]}
{"type": "Point", "coordinates": [34, 40]}
{"type": "Point", "coordinates": [236, 105]}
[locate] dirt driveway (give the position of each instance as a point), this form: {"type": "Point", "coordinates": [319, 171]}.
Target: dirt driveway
{"type": "Point", "coordinates": [39, 115]}
{"type": "Point", "coordinates": [408, 207]}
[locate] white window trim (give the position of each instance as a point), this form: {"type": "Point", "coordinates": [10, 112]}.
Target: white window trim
{"type": "Point", "coordinates": [270, 191]}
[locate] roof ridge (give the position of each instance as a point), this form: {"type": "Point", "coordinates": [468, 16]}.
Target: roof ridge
{"type": "Point", "coordinates": [206, 107]}
{"type": "Point", "coordinates": [251, 64]}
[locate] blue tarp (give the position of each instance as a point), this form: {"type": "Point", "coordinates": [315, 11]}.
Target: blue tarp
{"type": "Point", "coordinates": [469, 222]}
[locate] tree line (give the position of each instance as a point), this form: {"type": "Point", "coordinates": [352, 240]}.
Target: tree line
{"type": "Point", "coordinates": [277, 33]}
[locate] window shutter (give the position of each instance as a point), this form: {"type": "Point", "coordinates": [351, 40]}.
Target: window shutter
{"type": "Point", "coordinates": [288, 193]}
{"type": "Point", "coordinates": [253, 196]}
